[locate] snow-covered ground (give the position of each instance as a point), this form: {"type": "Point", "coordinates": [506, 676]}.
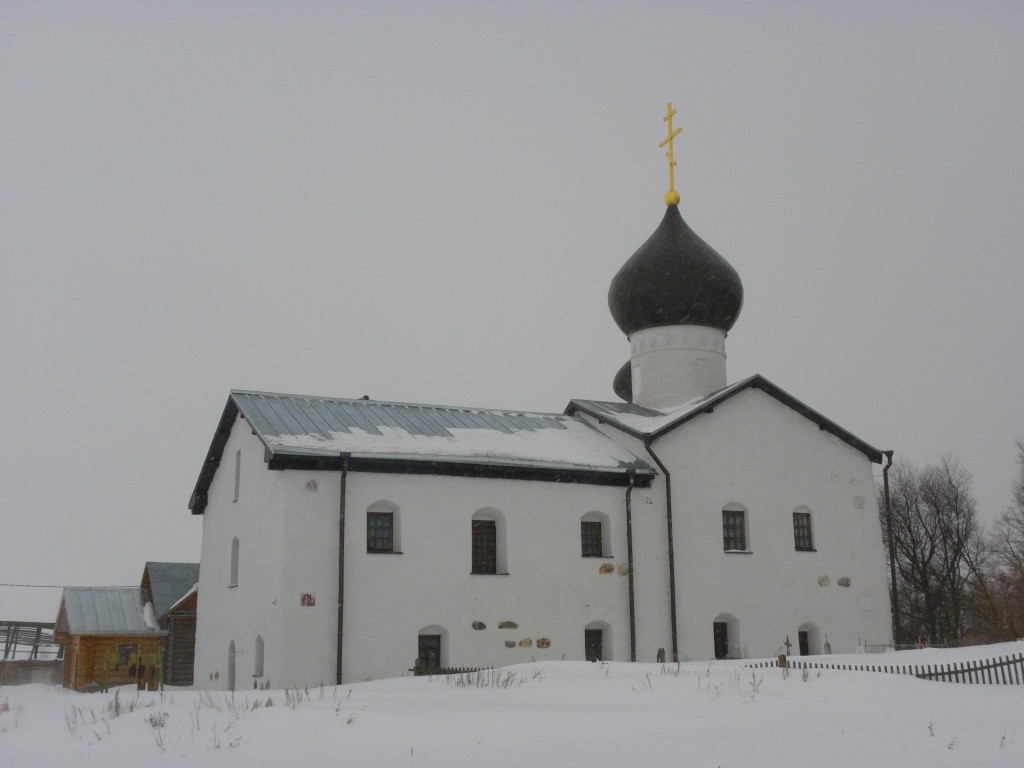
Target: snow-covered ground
{"type": "Point", "coordinates": [544, 714]}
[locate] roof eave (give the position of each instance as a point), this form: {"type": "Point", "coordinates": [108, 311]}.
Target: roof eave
{"type": "Point", "coordinates": [482, 467]}
{"type": "Point", "coordinates": [197, 503]}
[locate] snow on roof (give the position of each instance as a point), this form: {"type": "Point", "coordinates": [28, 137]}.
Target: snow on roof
{"type": "Point", "coordinates": [365, 435]}
{"type": "Point", "coordinates": [106, 611]}
{"type": "Point", "coordinates": [192, 590]}
{"type": "Point", "coordinates": [328, 427]}
{"type": "Point", "coordinates": [647, 421]}
{"type": "Point", "coordinates": [168, 582]}
{"type": "Point", "coordinates": [644, 422]}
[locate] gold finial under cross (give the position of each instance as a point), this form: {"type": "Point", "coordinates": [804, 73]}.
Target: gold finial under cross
{"type": "Point", "coordinates": [671, 197]}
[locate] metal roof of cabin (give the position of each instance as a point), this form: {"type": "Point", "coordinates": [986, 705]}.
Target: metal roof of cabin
{"type": "Point", "coordinates": [304, 432]}
{"type": "Point", "coordinates": [169, 582]}
{"type": "Point", "coordinates": [106, 611]}
{"type": "Point", "coordinates": [651, 423]}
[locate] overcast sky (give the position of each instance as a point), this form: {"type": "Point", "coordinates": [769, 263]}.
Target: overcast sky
{"type": "Point", "coordinates": [426, 202]}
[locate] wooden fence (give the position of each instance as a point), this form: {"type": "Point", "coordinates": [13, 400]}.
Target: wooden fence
{"type": "Point", "coordinates": [25, 671]}
{"type": "Point", "coordinates": [1002, 670]}
{"type": "Point", "coordinates": [436, 671]}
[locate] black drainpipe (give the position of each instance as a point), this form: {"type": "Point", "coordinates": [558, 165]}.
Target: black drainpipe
{"type": "Point", "coordinates": [671, 547]}
{"type": "Point", "coordinates": [629, 558]}
{"type": "Point", "coordinates": [341, 559]}
{"type": "Point", "coordinates": [892, 549]}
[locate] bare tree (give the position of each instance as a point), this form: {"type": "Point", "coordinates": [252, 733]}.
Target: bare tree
{"type": "Point", "coordinates": [1005, 576]}
{"type": "Point", "coordinates": [938, 547]}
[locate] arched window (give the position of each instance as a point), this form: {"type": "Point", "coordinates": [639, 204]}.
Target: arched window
{"type": "Point", "coordinates": [231, 665]}
{"type": "Point", "coordinates": [489, 542]}
{"type": "Point", "coordinates": [727, 637]}
{"type": "Point", "coordinates": [597, 641]}
{"type": "Point", "coordinates": [257, 667]}
{"type": "Point", "coordinates": [431, 650]}
{"type": "Point", "coordinates": [735, 534]}
{"type": "Point", "coordinates": [595, 535]}
{"type": "Point", "coordinates": [233, 574]}
{"type": "Point", "coordinates": [383, 531]}
{"type": "Point", "coordinates": [803, 538]}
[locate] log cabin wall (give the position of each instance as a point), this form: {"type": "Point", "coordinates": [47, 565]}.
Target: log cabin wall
{"type": "Point", "coordinates": [85, 655]}
{"type": "Point", "coordinates": [181, 643]}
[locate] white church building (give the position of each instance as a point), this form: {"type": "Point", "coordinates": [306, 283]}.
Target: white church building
{"type": "Point", "coordinates": [351, 539]}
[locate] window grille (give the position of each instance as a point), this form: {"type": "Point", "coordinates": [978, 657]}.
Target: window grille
{"type": "Point", "coordinates": [429, 652]}
{"type": "Point", "coordinates": [380, 532]}
{"type": "Point", "coordinates": [592, 538]}
{"type": "Point", "coordinates": [802, 531]}
{"type": "Point", "coordinates": [485, 547]}
{"type": "Point", "coordinates": [734, 531]}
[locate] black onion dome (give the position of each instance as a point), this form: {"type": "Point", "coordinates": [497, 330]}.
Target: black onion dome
{"type": "Point", "coordinates": [675, 278]}
{"type": "Point", "coordinates": [622, 384]}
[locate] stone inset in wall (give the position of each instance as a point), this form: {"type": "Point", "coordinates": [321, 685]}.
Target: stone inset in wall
{"type": "Point", "coordinates": [606, 568]}
{"type": "Point", "coordinates": [843, 581]}
{"type": "Point", "coordinates": [507, 625]}
{"type": "Point", "coordinates": [623, 569]}
{"type": "Point", "coordinates": [543, 642]}
{"type": "Point", "coordinates": [510, 643]}
{"type": "Point", "coordinates": [823, 581]}
{"type": "Point", "coordinates": [526, 642]}
{"type": "Point", "coordinates": [312, 486]}
{"type": "Point", "coordinates": [479, 625]}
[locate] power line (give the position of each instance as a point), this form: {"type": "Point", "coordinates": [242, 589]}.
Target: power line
{"type": "Point", "coordinates": [68, 586]}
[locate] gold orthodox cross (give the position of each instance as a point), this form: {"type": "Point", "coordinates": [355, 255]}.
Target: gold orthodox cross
{"type": "Point", "coordinates": [671, 197]}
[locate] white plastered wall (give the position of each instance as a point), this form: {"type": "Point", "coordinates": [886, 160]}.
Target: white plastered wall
{"type": "Point", "coordinates": [550, 591]}
{"type": "Point", "coordinates": [287, 525]}
{"type": "Point", "coordinates": [759, 453]}
{"type": "Point", "coordinates": [272, 510]}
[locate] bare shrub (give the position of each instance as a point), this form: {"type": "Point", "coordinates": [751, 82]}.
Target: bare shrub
{"type": "Point", "coordinates": [157, 719]}
{"type": "Point", "coordinates": [158, 722]}
{"type": "Point", "coordinates": [484, 678]}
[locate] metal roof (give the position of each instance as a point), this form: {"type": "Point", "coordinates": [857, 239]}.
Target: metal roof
{"type": "Point", "coordinates": [106, 611]}
{"type": "Point", "coordinates": [276, 414]}
{"type": "Point", "coordinates": [169, 582]}
{"type": "Point", "coordinates": [307, 432]}
{"type": "Point", "coordinates": [650, 424]}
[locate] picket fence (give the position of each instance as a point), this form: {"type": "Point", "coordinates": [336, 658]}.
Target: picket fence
{"type": "Point", "coordinates": [1002, 670]}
